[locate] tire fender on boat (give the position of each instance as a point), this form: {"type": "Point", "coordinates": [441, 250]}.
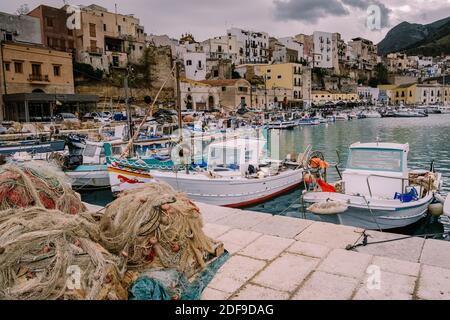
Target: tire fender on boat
{"type": "Point", "coordinates": [328, 207]}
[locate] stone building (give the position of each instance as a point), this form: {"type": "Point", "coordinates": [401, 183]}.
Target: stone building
{"type": "Point", "coordinates": [21, 28]}
{"type": "Point", "coordinates": [53, 26]}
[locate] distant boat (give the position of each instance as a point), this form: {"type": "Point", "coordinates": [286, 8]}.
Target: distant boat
{"type": "Point", "coordinates": [341, 117]}
{"type": "Point", "coordinates": [31, 146]}
{"type": "Point", "coordinates": [444, 109]}
{"type": "Point", "coordinates": [371, 114]}
{"type": "Point", "coordinates": [409, 114]}
{"type": "Point", "coordinates": [281, 125]}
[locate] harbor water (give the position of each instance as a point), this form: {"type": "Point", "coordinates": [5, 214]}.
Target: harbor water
{"type": "Point", "coordinates": [428, 139]}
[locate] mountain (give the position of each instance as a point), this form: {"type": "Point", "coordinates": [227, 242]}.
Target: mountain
{"type": "Point", "coordinates": [406, 35]}
{"type": "Point", "coordinates": [437, 44]}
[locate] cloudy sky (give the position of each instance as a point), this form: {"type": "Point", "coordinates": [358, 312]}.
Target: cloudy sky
{"type": "Point", "coordinates": [207, 18]}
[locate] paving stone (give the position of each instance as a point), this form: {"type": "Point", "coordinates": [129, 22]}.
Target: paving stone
{"type": "Point", "coordinates": [266, 247]}
{"type": "Point", "coordinates": [235, 273]}
{"type": "Point", "coordinates": [286, 272]}
{"type": "Point", "coordinates": [345, 263]}
{"type": "Point", "coordinates": [436, 253]}
{"type": "Point", "coordinates": [309, 249]}
{"type": "Point", "coordinates": [434, 283]}
{"type": "Point", "coordinates": [213, 294]}
{"type": "Point", "coordinates": [284, 227]}
{"type": "Point", "coordinates": [407, 249]}
{"type": "Point", "coordinates": [253, 292]}
{"type": "Point", "coordinates": [213, 230]}
{"type": "Point", "coordinates": [397, 266]}
{"type": "Point", "coordinates": [391, 286]}
{"type": "Point", "coordinates": [212, 213]}
{"type": "Point", "coordinates": [326, 286]}
{"type": "Point", "coordinates": [235, 239]}
{"type": "Point", "coordinates": [244, 220]}
{"type": "Point", "coordinates": [329, 235]}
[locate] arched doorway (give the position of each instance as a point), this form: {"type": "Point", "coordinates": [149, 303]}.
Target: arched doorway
{"type": "Point", "coordinates": [210, 102]}
{"type": "Point", "coordinates": [38, 91]}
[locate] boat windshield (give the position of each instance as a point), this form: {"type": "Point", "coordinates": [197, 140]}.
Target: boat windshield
{"type": "Point", "coordinates": [375, 159]}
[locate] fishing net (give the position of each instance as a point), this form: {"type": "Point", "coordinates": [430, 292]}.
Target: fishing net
{"type": "Point", "coordinates": [169, 284]}
{"type": "Point", "coordinates": [37, 184]}
{"type": "Point", "coordinates": [156, 227]}
{"type": "Point", "coordinates": [45, 254]}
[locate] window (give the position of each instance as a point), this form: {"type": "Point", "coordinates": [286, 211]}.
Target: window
{"type": "Point", "coordinates": [224, 88]}
{"type": "Point", "coordinates": [279, 77]}
{"type": "Point", "coordinates": [49, 21]}
{"type": "Point", "coordinates": [104, 27]}
{"type": "Point", "coordinates": [93, 44]}
{"type": "Point", "coordinates": [8, 36]}
{"type": "Point", "coordinates": [7, 66]}
{"type": "Point", "coordinates": [119, 28]}
{"type": "Point", "coordinates": [375, 159]}
{"type": "Point", "coordinates": [36, 69]}
{"type": "Point", "coordinates": [189, 62]}
{"type": "Point", "coordinates": [18, 67]}
{"type": "Point", "coordinates": [57, 71]}
{"type": "Point", "coordinates": [92, 31]}
{"type": "Point", "coordinates": [216, 73]}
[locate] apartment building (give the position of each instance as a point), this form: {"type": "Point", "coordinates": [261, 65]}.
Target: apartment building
{"type": "Point", "coordinates": [20, 28]}
{"type": "Point", "coordinates": [109, 40]}
{"type": "Point", "coordinates": [223, 47]}
{"type": "Point", "coordinates": [365, 53]}
{"type": "Point", "coordinates": [323, 50]}
{"type": "Point", "coordinates": [253, 45]}
{"type": "Point", "coordinates": [33, 69]}
{"type": "Point", "coordinates": [294, 45]}
{"type": "Point", "coordinates": [195, 65]}
{"type": "Point", "coordinates": [53, 26]}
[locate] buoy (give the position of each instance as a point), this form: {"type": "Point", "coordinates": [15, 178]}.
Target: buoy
{"type": "Point", "coordinates": [328, 207]}
{"type": "Point", "coordinates": [436, 209]}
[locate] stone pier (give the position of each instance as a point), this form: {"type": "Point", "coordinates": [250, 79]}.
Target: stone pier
{"type": "Point", "coordinates": [274, 257]}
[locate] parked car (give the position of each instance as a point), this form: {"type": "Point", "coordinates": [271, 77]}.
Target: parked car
{"type": "Point", "coordinates": [65, 116]}
{"type": "Point", "coordinates": [98, 116]}
{"type": "Point", "coordinates": [119, 116]}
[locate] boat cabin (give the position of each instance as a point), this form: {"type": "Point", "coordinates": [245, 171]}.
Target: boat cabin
{"type": "Point", "coordinates": [94, 152]}
{"type": "Point", "coordinates": [376, 170]}
{"type": "Point", "coordinates": [235, 155]}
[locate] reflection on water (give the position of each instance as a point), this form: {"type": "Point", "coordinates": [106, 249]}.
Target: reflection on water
{"type": "Point", "coordinates": [428, 139]}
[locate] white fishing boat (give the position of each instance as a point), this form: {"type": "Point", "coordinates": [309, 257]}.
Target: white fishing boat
{"type": "Point", "coordinates": [236, 175]}
{"type": "Point", "coordinates": [408, 113]}
{"type": "Point", "coordinates": [281, 125]}
{"type": "Point", "coordinates": [341, 117]}
{"type": "Point", "coordinates": [444, 109]}
{"type": "Point", "coordinates": [371, 114]}
{"type": "Point", "coordinates": [377, 190]}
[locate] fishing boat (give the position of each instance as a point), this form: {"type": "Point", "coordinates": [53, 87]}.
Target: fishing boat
{"type": "Point", "coordinates": [35, 146]}
{"type": "Point", "coordinates": [236, 174]}
{"type": "Point", "coordinates": [377, 190]}
{"type": "Point", "coordinates": [409, 114]}
{"type": "Point", "coordinates": [444, 109]}
{"type": "Point", "coordinates": [371, 114]}
{"type": "Point", "coordinates": [341, 117]}
{"type": "Point", "coordinates": [281, 125]}
{"type": "Point", "coordinates": [308, 122]}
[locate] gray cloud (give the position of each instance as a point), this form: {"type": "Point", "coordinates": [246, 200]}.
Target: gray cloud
{"type": "Point", "coordinates": [308, 10]}
{"type": "Point", "coordinates": [364, 4]}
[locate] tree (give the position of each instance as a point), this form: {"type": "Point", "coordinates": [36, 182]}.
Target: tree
{"type": "Point", "coordinates": [381, 74]}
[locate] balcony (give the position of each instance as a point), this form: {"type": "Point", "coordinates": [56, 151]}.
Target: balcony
{"type": "Point", "coordinates": [94, 50]}
{"type": "Point", "coordinates": [38, 78]}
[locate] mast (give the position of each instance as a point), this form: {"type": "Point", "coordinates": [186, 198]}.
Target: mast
{"type": "Point", "coordinates": [177, 79]}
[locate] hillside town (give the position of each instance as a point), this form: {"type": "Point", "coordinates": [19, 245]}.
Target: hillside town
{"type": "Point", "coordinates": [50, 68]}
